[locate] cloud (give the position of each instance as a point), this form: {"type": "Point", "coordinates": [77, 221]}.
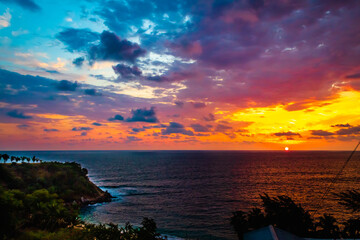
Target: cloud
{"type": "Point", "coordinates": [321, 133]}
{"type": "Point", "coordinates": [19, 32]}
{"type": "Point", "coordinates": [132, 139]}
{"type": "Point", "coordinates": [111, 47]}
{"type": "Point", "coordinates": [127, 72]}
{"type": "Point", "coordinates": [179, 104]}
{"type": "Point", "coordinates": [198, 104]}
{"type": "Point", "coordinates": [18, 114]}
{"type": "Point", "coordinates": [78, 62]}
{"type": "Point", "coordinates": [349, 131]}
{"type": "Point", "coordinates": [144, 128]}
{"type": "Point", "coordinates": [102, 77]}
{"type": "Point", "coordinates": [287, 134]}
{"type": "Point", "coordinates": [138, 129]}
{"type": "Point", "coordinates": [353, 76]}
{"type": "Point", "coordinates": [65, 85]}
{"type": "Point", "coordinates": [81, 128]}
{"type": "Point", "coordinates": [92, 92]}
{"type": "Point", "coordinates": [26, 4]}
{"type": "Point", "coordinates": [77, 39]}
{"type": "Point", "coordinates": [50, 71]}
{"type": "Point", "coordinates": [117, 117]}
{"type": "Point", "coordinates": [143, 115]}
{"type": "Point", "coordinates": [50, 130]}
{"type": "Point", "coordinates": [341, 125]}
{"type": "Point", "coordinates": [96, 124]}
{"type": "Point", "coordinates": [23, 126]}
{"type": "Point", "coordinates": [106, 46]}
{"type": "Point", "coordinates": [222, 128]}
{"type": "Point", "coordinates": [178, 128]}
{"type": "Point", "coordinates": [5, 19]}
{"type": "Point", "coordinates": [200, 128]}
{"type": "Point", "coordinates": [157, 78]}
{"type": "Point", "coordinates": [210, 117]}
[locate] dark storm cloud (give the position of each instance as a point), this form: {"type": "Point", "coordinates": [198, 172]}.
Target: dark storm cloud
{"type": "Point", "coordinates": [287, 134]}
{"type": "Point", "coordinates": [175, 127]}
{"type": "Point", "coordinates": [349, 131]}
{"type": "Point", "coordinates": [92, 92]}
{"type": "Point", "coordinates": [321, 133]}
{"type": "Point", "coordinates": [341, 125]}
{"type": "Point", "coordinates": [112, 47]}
{"type": "Point", "coordinates": [26, 4]}
{"type": "Point", "coordinates": [127, 72]}
{"type": "Point", "coordinates": [18, 114]}
{"type": "Point", "coordinates": [106, 46]}
{"type": "Point", "coordinates": [81, 128]}
{"type": "Point", "coordinates": [143, 115]}
{"type": "Point", "coordinates": [200, 128]}
{"type": "Point", "coordinates": [117, 117]}
{"type": "Point", "coordinates": [65, 85]}
{"type": "Point", "coordinates": [77, 39]}
{"type": "Point", "coordinates": [78, 62]}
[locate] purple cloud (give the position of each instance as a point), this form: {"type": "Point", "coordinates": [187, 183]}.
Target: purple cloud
{"type": "Point", "coordinates": [18, 114]}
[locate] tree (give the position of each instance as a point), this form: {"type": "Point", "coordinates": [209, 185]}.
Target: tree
{"type": "Point", "coordinates": [327, 227]}
{"type": "Point", "coordinates": [350, 200]}
{"type": "Point", "coordinates": [5, 157]}
{"type": "Point", "coordinates": [352, 228]}
{"type": "Point", "coordinates": [281, 211]}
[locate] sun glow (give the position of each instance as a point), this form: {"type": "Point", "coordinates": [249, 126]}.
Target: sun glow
{"type": "Point", "coordinates": [286, 148]}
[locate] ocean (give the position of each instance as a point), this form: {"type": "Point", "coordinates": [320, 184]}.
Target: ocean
{"type": "Point", "coordinates": [192, 194]}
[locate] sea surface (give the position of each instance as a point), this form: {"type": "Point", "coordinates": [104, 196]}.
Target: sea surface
{"type": "Point", "coordinates": [192, 194]}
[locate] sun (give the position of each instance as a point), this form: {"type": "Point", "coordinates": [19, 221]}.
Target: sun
{"type": "Point", "coordinates": [286, 148]}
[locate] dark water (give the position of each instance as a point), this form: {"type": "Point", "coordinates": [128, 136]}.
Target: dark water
{"type": "Point", "coordinates": [193, 193]}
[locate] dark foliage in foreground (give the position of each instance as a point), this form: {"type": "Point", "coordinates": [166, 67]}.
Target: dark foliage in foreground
{"type": "Point", "coordinates": [350, 199]}
{"type": "Point", "coordinates": [282, 212]}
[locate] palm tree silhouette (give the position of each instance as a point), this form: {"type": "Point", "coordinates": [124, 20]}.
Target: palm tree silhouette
{"type": "Point", "coordinates": [5, 157]}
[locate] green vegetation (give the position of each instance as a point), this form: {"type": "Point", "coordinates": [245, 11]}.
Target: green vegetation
{"type": "Point", "coordinates": [41, 202]}
{"type": "Point", "coordinates": [284, 213]}
{"type": "Point", "coordinates": [68, 180]}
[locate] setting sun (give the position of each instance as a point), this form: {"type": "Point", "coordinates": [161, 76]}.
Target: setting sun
{"type": "Point", "coordinates": [286, 148]}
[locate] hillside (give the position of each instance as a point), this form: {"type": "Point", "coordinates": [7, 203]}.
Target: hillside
{"type": "Point", "coordinates": [68, 180]}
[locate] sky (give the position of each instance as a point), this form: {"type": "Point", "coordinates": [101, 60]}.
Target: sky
{"type": "Point", "coordinates": [171, 75]}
